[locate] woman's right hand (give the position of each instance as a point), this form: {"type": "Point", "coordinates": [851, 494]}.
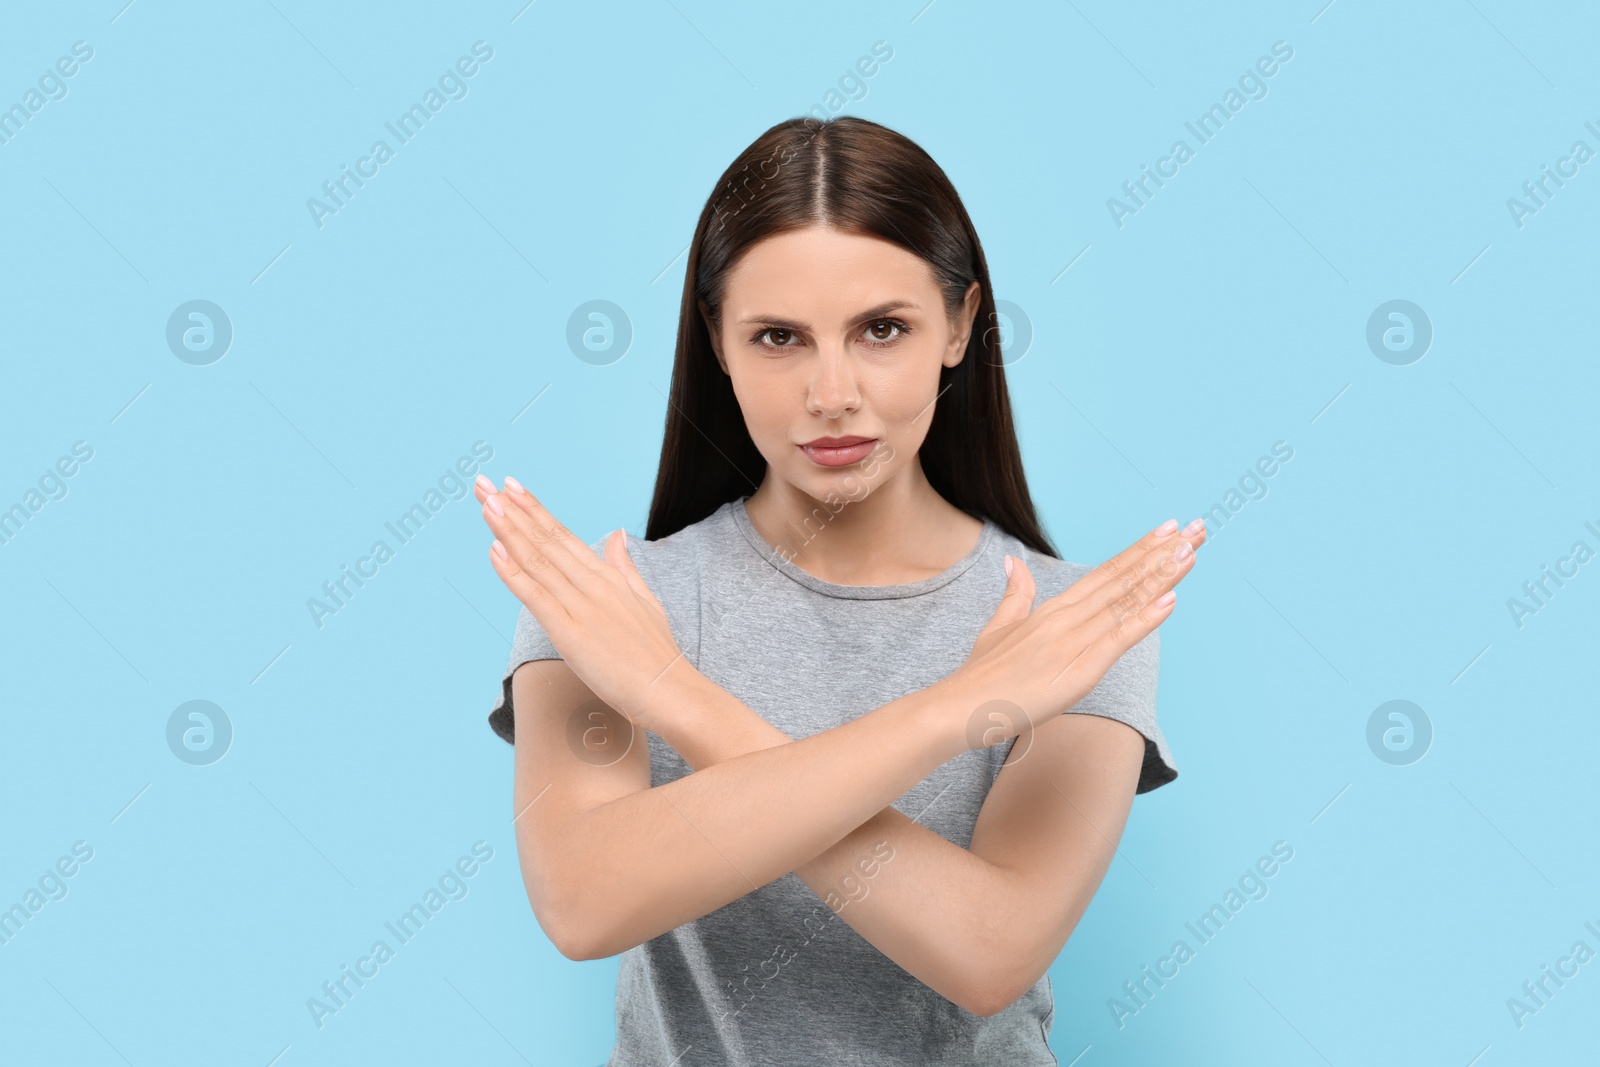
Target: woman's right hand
{"type": "Point", "coordinates": [1044, 661]}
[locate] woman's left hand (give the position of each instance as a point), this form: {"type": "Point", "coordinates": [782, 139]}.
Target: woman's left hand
{"type": "Point", "coordinates": [601, 616]}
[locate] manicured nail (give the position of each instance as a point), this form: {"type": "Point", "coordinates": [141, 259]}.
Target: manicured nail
{"type": "Point", "coordinates": [1194, 527]}
{"type": "Point", "coordinates": [1166, 528]}
{"type": "Point", "coordinates": [1181, 554]}
{"type": "Point", "coordinates": [482, 482]}
{"type": "Point", "coordinates": [1166, 598]}
{"type": "Point", "coordinates": [514, 485]}
{"type": "Point", "coordinates": [499, 549]}
{"type": "Point", "coordinates": [1008, 566]}
{"type": "Point", "coordinates": [494, 504]}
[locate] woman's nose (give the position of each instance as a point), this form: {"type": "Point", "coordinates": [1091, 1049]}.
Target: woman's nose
{"type": "Point", "coordinates": [833, 390]}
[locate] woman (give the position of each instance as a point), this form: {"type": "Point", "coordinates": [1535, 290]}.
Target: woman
{"type": "Point", "coordinates": [799, 755]}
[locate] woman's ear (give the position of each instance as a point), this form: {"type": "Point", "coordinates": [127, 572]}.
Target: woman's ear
{"type": "Point", "coordinates": [963, 325]}
{"type": "Point", "coordinates": [711, 331]}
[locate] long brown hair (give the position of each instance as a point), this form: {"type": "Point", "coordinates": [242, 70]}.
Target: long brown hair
{"type": "Point", "coordinates": [859, 177]}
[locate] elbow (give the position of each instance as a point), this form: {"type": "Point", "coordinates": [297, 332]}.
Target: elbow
{"type": "Point", "coordinates": [580, 942]}
{"type": "Point", "coordinates": [568, 933]}
{"type": "Point", "coordinates": [991, 1000]}
{"type": "Point", "coordinates": [561, 914]}
{"type": "Point", "coordinates": [571, 929]}
{"type": "Point", "coordinates": [580, 913]}
{"type": "Point", "coordinates": [574, 949]}
{"type": "Point", "coordinates": [564, 934]}
{"type": "Point", "coordinates": [578, 928]}
{"type": "Point", "coordinates": [1004, 979]}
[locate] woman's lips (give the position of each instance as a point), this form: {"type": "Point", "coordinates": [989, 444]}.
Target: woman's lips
{"type": "Point", "coordinates": [841, 456]}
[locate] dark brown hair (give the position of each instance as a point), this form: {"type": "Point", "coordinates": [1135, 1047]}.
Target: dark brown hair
{"type": "Point", "coordinates": [859, 177]}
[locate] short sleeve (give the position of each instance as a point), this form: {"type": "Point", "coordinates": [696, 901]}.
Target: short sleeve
{"type": "Point", "coordinates": [1127, 693]}
{"type": "Point", "coordinates": [530, 642]}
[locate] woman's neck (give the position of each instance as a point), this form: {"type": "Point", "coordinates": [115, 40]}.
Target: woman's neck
{"type": "Point", "coordinates": [901, 531]}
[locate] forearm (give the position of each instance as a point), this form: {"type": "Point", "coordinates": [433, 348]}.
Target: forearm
{"type": "Point", "coordinates": [638, 866]}
{"type": "Point", "coordinates": [936, 909]}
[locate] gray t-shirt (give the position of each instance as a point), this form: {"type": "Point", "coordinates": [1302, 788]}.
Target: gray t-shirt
{"type": "Point", "coordinates": [775, 977]}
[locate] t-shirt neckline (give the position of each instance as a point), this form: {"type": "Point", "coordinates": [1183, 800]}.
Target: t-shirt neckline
{"type": "Point", "coordinates": [771, 556]}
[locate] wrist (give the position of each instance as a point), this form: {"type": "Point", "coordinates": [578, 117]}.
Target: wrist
{"type": "Point", "coordinates": [940, 715]}
{"type": "Point", "coordinates": [656, 705]}
{"type": "Point", "coordinates": [703, 722]}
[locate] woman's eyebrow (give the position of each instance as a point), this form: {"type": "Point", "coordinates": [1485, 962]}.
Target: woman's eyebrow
{"type": "Point", "coordinates": [778, 322]}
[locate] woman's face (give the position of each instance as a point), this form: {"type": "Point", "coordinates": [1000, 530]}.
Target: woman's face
{"type": "Point", "coordinates": [827, 334]}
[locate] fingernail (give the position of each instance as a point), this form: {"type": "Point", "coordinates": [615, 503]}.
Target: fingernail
{"type": "Point", "coordinates": [514, 485]}
{"type": "Point", "coordinates": [1008, 566]}
{"type": "Point", "coordinates": [482, 482]}
{"type": "Point", "coordinates": [494, 504]}
{"type": "Point", "coordinates": [1182, 553]}
{"type": "Point", "coordinates": [1194, 527]}
{"type": "Point", "coordinates": [1166, 598]}
{"type": "Point", "coordinates": [499, 549]}
{"type": "Point", "coordinates": [1166, 528]}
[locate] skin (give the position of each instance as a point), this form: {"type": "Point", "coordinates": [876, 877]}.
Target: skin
{"type": "Point", "coordinates": [610, 862]}
{"type": "Point", "coordinates": [830, 374]}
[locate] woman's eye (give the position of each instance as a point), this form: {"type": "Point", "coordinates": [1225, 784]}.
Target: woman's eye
{"type": "Point", "coordinates": [884, 333]}
{"type": "Point", "coordinates": [884, 340]}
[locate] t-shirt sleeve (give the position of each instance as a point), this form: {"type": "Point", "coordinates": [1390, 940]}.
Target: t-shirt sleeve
{"type": "Point", "coordinates": [1127, 693]}
{"type": "Point", "coordinates": [530, 642]}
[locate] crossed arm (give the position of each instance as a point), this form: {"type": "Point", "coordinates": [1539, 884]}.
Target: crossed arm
{"type": "Point", "coordinates": [610, 862]}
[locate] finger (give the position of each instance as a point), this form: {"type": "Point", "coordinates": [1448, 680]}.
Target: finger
{"type": "Point", "coordinates": [1017, 601]}
{"type": "Point", "coordinates": [542, 546]}
{"type": "Point", "coordinates": [518, 494]}
{"type": "Point", "coordinates": [1143, 562]}
{"type": "Point", "coordinates": [1158, 572]}
{"type": "Point", "coordinates": [1131, 593]}
{"type": "Point", "coordinates": [1126, 619]}
{"type": "Point", "coordinates": [536, 522]}
{"type": "Point", "coordinates": [552, 615]}
{"type": "Point", "coordinates": [1113, 634]}
{"type": "Point", "coordinates": [617, 555]}
{"type": "Point", "coordinates": [537, 562]}
{"type": "Point", "coordinates": [1116, 627]}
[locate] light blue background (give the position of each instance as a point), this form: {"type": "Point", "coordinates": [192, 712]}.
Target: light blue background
{"type": "Point", "coordinates": [368, 355]}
